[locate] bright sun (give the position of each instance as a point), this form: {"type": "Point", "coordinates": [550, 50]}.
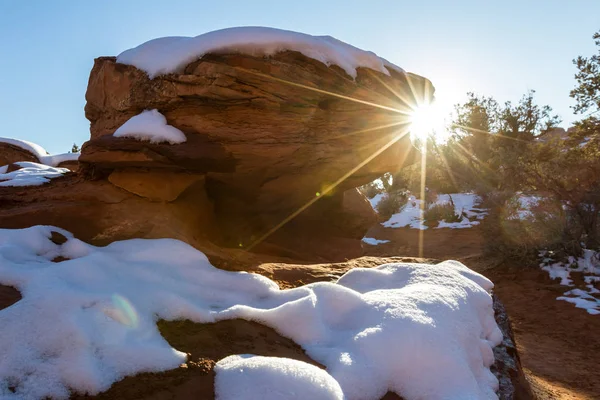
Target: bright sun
{"type": "Point", "coordinates": [428, 120]}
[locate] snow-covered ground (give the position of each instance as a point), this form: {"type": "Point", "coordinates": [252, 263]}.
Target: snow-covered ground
{"type": "Point", "coordinates": [150, 125]}
{"type": "Point", "coordinates": [30, 174]}
{"type": "Point", "coordinates": [39, 152]}
{"type": "Point", "coordinates": [424, 331]}
{"type": "Point", "coordinates": [588, 266]}
{"type": "Point", "coordinates": [465, 204]}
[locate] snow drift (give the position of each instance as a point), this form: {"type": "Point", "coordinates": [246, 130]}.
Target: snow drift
{"type": "Point", "coordinates": [422, 331]}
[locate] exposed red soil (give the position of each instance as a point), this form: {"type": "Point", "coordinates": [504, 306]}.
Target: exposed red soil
{"type": "Point", "coordinates": [440, 244]}
{"type": "Point", "coordinates": [558, 343]}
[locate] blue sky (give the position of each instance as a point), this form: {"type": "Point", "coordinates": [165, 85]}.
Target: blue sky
{"type": "Point", "coordinates": [498, 48]}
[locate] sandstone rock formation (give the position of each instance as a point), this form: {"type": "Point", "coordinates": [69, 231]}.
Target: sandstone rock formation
{"type": "Point", "coordinates": [269, 134]}
{"type": "Point", "coordinates": [10, 154]}
{"type": "Point", "coordinates": [275, 149]}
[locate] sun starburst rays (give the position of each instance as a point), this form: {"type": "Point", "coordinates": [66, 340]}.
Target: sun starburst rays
{"type": "Point", "coordinates": [406, 107]}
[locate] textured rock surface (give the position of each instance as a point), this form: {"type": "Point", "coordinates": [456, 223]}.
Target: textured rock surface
{"type": "Point", "coordinates": [100, 212]}
{"type": "Point", "coordinates": [269, 133]}
{"type": "Point", "coordinates": [155, 185]}
{"type": "Point", "coordinates": [142, 204]}
{"type": "Point", "coordinates": [507, 368]}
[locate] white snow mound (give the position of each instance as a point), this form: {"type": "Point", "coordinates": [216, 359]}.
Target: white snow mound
{"type": "Point", "coordinates": [252, 377]}
{"type": "Point", "coordinates": [150, 125]}
{"type": "Point", "coordinates": [171, 54]}
{"type": "Point", "coordinates": [422, 331]}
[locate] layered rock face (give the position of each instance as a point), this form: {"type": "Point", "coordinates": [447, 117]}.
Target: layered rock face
{"type": "Point", "coordinates": [269, 134]}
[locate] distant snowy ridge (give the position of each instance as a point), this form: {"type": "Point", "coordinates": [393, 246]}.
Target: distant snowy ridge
{"type": "Point", "coordinates": [171, 54]}
{"type": "Point", "coordinates": [423, 331]}
{"type": "Point", "coordinates": [150, 125]}
{"type": "Point", "coordinates": [38, 151]}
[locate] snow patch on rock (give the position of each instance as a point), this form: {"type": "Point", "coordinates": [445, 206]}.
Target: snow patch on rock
{"type": "Point", "coordinates": [150, 125]}
{"type": "Point", "coordinates": [38, 151]}
{"type": "Point", "coordinates": [171, 54]}
{"type": "Point", "coordinates": [30, 174]}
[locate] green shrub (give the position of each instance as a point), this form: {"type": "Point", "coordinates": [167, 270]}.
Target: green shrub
{"type": "Point", "coordinates": [441, 212]}
{"type": "Point", "coordinates": [520, 239]}
{"type": "Point", "coordinates": [390, 204]}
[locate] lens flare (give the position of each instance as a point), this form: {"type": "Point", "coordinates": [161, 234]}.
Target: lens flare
{"type": "Point", "coordinates": [121, 310]}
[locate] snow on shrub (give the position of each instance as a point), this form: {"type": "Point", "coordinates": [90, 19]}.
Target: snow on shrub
{"type": "Point", "coordinates": [422, 331]}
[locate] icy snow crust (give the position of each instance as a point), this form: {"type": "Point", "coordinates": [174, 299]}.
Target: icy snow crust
{"type": "Point", "coordinates": [252, 377]}
{"type": "Point", "coordinates": [150, 125]}
{"type": "Point", "coordinates": [171, 54]}
{"type": "Point", "coordinates": [423, 331]}
{"type": "Point", "coordinates": [465, 204]}
{"type": "Point", "coordinates": [41, 154]}
{"type": "Point", "coordinates": [31, 174]}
